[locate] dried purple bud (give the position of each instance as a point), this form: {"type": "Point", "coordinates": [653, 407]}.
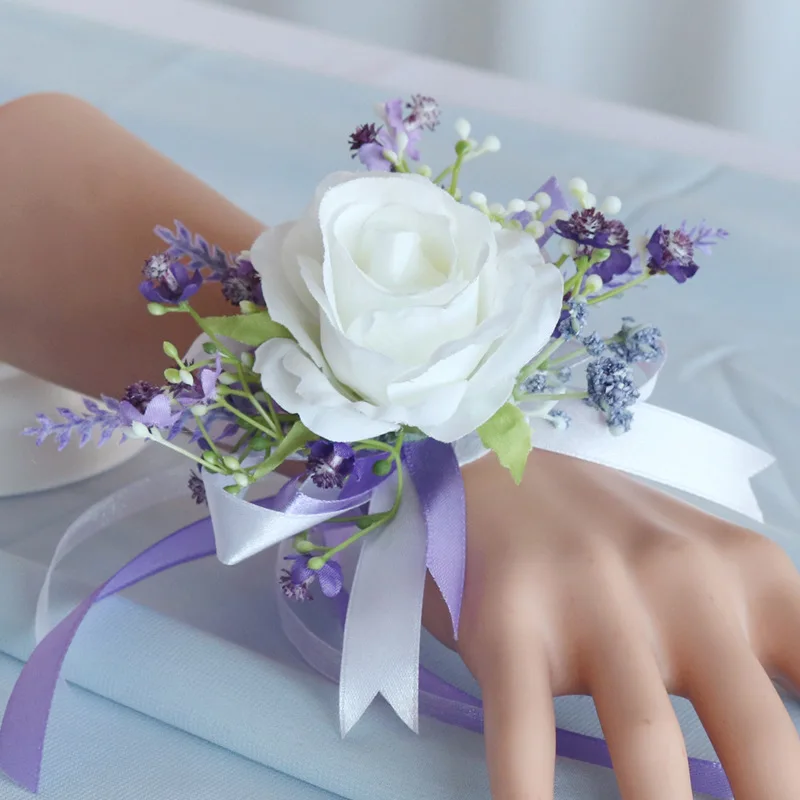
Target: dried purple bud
{"type": "Point", "coordinates": [363, 134]}
{"type": "Point", "coordinates": [139, 394]}
{"type": "Point", "coordinates": [424, 113]}
{"type": "Point", "coordinates": [197, 488]}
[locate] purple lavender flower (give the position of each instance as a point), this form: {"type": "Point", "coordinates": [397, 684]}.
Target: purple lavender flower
{"type": "Point", "coordinates": [301, 576]}
{"type": "Point", "coordinates": [204, 388]}
{"type": "Point", "coordinates": [637, 343]}
{"type": "Point", "coordinates": [329, 464]}
{"type": "Point", "coordinates": [672, 253]}
{"type": "Point", "coordinates": [241, 283]}
{"type": "Point", "coordinates": [386, 138]}
{"type": "Point", "coordinates": [157, 413]}
{"type": "Point", "coordinates": [612, 390]}
{"type": "Point", "coordinates": [703, 237]}
{"type": "Point", "coordinates": [197, 487]}
{"type": "Point", "coordinates": [201, 254]}
{"type": "Point", "coordinates": [168, 281]}
{"type": "Point", "coordinates": [423, 113]}
{"type": "Point", "coordinates": [591, 230]}
{"type": "Point", "coordinates": [107, 420]}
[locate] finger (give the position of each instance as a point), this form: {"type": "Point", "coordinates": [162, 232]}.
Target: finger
{"type": "Point", "coordinates": [519, 728]}
{"type": "Point", "coordinates": [641, 729]}
{"type": "Point", "coordinates": [744, 717]}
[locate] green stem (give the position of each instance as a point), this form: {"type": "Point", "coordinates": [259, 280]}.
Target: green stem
{"type": "Point", "coordinates": [456, 171]}
{"type": "Point", "coordinates": [199, 320]}
{"type": "Point", "coordinates": [442, 175]}
{"type": "Point", "coordinates": [171, 446]}
{"type": "Point", "coordinates": [214, 449]}
{"type": "Point", "coordinates": [249, 420]}
{"type": "Point", "coordinates": [545, 396]}
{"type": "Point", "coordinates": [620, 289]}
{"type": "Point", "coordinates": [540, 359]}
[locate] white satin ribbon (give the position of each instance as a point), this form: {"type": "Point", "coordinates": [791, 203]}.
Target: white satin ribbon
{"type": "Point", "coordinates": [382, 630]}
{"type": "Point", "coordinates": [380, 654]}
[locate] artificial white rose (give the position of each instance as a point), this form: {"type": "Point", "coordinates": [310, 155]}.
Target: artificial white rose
{"type": "Point", "coordinates": [407, 308]}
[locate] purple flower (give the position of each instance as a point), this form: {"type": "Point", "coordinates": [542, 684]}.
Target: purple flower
{"type": "Point", "coordinates": [197, 488]}
{"type": "Point", "coordinates": [300, 576]}
{"type": "Point", "coordinates": [241, 283]}
{"type": "Point", "coordinates": [590, 230]}
{"type": "Point", "coordinates": [201, 254]}
{"type": "Point", "coordinates": [672, 253]}
{"type": "Point", "coordinates": [139, 394]}
{"type": "Point", "coordinates": [106, 420]}
{"type": "Point", "coordinates": [204, 388]}
{"type": "Point", "coordinates": [423, 113]}
{"type": "Point", "coordinates": [168, 281]}
{"type": "Point", "coordinates": [637, 343]}
{"type": "Point", "coordinates": [363, 135]}
{"type": "Point", "coordinates": [330, 463]}
{"type": "Point", "coordinates": [157, 414]}
{"type": "Point", "coordinates": [386, 138]}
{"type": "Point", "coordinates": [703, 237]}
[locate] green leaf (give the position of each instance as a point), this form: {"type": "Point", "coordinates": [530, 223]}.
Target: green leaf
{"type": "Point", "coordinates": [509, 435]}
{"type": "Point", "coordinates": [250, 329]}
{"type": "Point", "coordinates": [298, 436]}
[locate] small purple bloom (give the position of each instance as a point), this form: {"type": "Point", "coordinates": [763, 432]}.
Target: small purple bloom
{"type": "Point", "coordinates": [329, 464]}
{"type": "Point", "coordinates": [423, 113]}
{"type": "Point", "coordinates": [672, 253]}
{"type": "Point", "coordinates": [168, 281]}
{"type": "Point", "coordinates": [157, 414]}
{"type": "Point", "coordinates": [241, 283]}
{"type": "Point", "coordinates": [590, 230]}
{"type": "Point", "coordinates": [105, 419]}
{"type": "Point", "coordinates": [197, 488]}
{"type": "Point", "coordinates": [204, 388]}
{"type": "Point", "coordinates": [139, 394]}
{"type": "Point", "coordinates": [299, 592]}
{"type": "Point", "coordinates": [363, 134]}
{"type": "Point", "coordinates": [371, 153]}
{"type": "Point", "coordinates": [637, 343]}
{"type": "Point", "coordinates": [202, 255]}
{"type": "Point", "coordinates": [329, 576]}
{"type": "Point", "coordinates": [573, 319]}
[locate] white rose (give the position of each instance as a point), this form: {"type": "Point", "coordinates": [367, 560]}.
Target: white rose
{"type": "Point", "coordinates": [406, 306]}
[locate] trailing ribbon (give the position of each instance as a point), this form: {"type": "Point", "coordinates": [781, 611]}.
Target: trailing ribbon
{"type": "Point", "coordinates": [386, 602]}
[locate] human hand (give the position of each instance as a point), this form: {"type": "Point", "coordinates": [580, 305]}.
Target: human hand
{"type": "Point", "coordinates": [582, 581]}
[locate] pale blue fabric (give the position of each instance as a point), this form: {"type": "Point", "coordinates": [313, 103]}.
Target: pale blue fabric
{"type": "Point", "coordinates": [226, 708]}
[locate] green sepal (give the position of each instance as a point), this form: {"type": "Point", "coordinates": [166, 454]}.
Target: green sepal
{"type": "Point", "coordinates": [249, 329]}
{"type": "Point", "coordinates": [298, 436]}
{"type": "Point", "coordinates": [508, 434]}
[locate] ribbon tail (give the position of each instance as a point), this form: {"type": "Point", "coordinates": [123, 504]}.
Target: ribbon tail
{"type": "Point", "coordinates": [380, 653]}
{"type": "Point", "coordinates": [24, 725]}
{"type": "Point", "coordinates": [436, 475]}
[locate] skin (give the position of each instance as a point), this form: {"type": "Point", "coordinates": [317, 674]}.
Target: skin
{"type": "Point", "coordinates": [617, 591]}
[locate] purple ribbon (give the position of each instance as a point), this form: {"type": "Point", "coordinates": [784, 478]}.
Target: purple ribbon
{"type": "Point", "coordinates": [435, 473]}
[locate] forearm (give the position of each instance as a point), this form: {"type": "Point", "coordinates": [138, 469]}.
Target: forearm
{"type": "Point", "coordinates": [81, 197]}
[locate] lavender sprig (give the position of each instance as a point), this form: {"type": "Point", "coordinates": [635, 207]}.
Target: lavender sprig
{"type": "Point", "coordinates": [106, 420]}
{"type": "Point", "coordinates": [203, 255]}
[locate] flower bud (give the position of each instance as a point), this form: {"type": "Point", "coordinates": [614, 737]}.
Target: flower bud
{"type": "Point", "coordinates": [425, 171]}
{"type": "Point", "coordinates": [156, 309]}
{"type": "Point", "coordinates": [247, 359]}
{"type": "Point", "coordinates": [226, 378]}
{"type": "Point", "coordinates": [140, 430]}
{"type": "Point", "coordinates": [259, 444]}
{"type": "Point", "coordinates": [588, 200]}
{"type": "Point", "coordinates": [186, 377]}
{"type": "Point", "coordinates": [316, 563]}
{"type": "Point", "coordinates": [491, 144]}
{"type": "Point", "coordinates": [543, 200]}
{"type": "Point", "coordinates": [172, 375]}
{"type": "Point", "coordinates": [211, 458]}
{"type": "Point", "coordinates": [478, 199]}
{"type": "Point", "coordinates": [611, 206]}
{"type": "Point", "coordinates": [594, 283]}
{"type": "Point", "coordinates": [210, 348]}
{"type": "Point", "coordinates": [246, 307]}
{"type": "Point", "coordinates": [199, 410]}
{"type": "Point", "coordinates": [231, 462]}
{"type": "Point", "coordinates": [463, 129]}
{"type": "Point", "coordinates": [304, 546]}
{"type": "Point", "coordinates": [383, 467]}
{"type": "Point", "coordinates": [170, 350]}
{"type": "Point", "coordinates": [516, 206]}
{"type": "Point", "coordinates": [241, 479]}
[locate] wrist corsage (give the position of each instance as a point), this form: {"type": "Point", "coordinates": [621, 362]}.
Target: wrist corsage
{"type": "Point", "coordinates": [393, 333]}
